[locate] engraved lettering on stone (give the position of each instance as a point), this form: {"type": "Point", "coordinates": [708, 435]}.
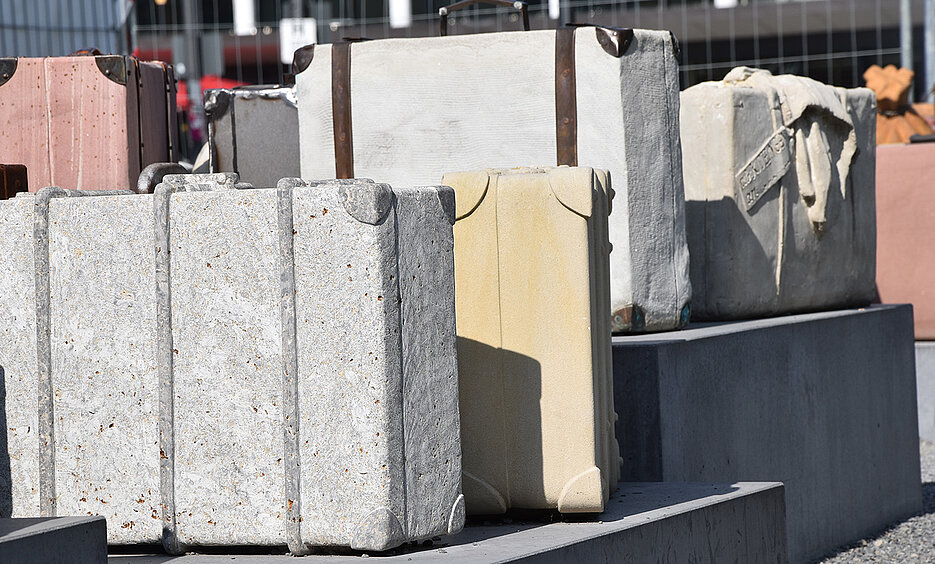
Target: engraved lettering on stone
{"type": "Point", "coordinates": [765, 169]}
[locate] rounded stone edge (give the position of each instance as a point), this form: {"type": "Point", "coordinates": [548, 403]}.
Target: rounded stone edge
{"type": "Point", "coordinates": [367, 203]}
{"type": "Point", "coordinates": [379, 530]}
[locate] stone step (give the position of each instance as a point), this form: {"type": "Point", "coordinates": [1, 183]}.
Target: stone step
{"type": "Point", "coordinates": [53, 539]}
{"type": "Point", "coordinates": [643, 522]}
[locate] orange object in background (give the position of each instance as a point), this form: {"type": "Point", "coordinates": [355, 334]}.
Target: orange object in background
{"type": "Point", "coordinates": [905, 243]}
{"type": "Point", "coordinates": [897, 121]}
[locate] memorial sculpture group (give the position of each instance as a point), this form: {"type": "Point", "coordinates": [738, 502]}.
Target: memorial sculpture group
{"type": "Point", "coordinates": [332, 360]}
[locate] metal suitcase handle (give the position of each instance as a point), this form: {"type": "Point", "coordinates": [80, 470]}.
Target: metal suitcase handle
{"type": "Point", "coordinates": [517, 5]}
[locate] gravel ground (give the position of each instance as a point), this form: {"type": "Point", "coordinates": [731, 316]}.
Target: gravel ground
{"type": "Point", "coordinates": [912, 540]}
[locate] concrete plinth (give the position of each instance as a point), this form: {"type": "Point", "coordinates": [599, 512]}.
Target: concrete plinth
{"type": "Point", "coordinates": [55, 539]}
{"type": "Point", "coordinates": [824, 402]}
{"type": "Point", "coordinates": [660, 522]}
{"type": "Point", "coordinates": [925, 388]}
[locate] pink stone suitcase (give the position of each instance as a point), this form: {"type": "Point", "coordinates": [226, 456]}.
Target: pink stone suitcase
{"type": "Point", "coordinates": [905, 214]}
{"type": "Point", "coordinates": [86, 122]}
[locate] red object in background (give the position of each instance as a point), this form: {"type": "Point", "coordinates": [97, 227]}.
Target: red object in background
{"type": "Point", "coordinates": [208, 82]}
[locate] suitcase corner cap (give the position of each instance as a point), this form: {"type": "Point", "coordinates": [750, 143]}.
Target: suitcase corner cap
{"type": "Point", "coordinates": [113, 67]}
{"type": "Point", "coordinates": [367, 203]}
{"type": "Point", "coordinates": [379, 530]}
{"type": "Point", "coordinates": [7, 69]}
{"type": "Point", "coordinates": [574, 188]}
{"type": "Point", "coordinates": [302, 58]}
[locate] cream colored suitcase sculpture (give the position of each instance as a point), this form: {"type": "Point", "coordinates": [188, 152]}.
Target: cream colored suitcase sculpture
{"type": "Point", "coordinates": [409, 110]}
{"type": "Point", "coordinates": [531, 271]}
{"type": "Point", "coordinates": [779, 188]}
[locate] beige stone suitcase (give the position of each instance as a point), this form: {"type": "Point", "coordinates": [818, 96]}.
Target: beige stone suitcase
{"type": "Point", "coordinates": [531, 289]}
{"type": "Point", "coordinates": [87, 122]}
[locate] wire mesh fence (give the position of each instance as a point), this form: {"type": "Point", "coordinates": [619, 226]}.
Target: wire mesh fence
{"type": "Point", "coordinates": [831, 40]}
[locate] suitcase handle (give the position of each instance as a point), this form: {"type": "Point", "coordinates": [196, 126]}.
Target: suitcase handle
{"type": "Point", "coordinates": [445, 10]}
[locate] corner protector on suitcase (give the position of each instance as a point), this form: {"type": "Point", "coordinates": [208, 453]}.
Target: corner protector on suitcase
{"type": "Point", "coordinates": [368, 203]}
{"type": "Point", "coordinates": [480, 497]}
{"type": "Point", "coordinates": [457, 517]}
{"type": "Point", "coordinates": [302, 58]}
{"type": "Point", "coordinates": [379, 530]}
{"type": "Point", "coordinates": [584, 493]}
{"type": "Point", "coordinates": [614, 40]}
{"type": "Point", "coordinates": [217, 102]}
{"type": "Point", "coordinates": [113, 67]}
{"type": "Point", "coordinates": [574, 188]}
{"type": "Point", "coordinates": [7, 69]}
{"type": "Point", "coordinates": [628, 319]}
{"type": "Point", "coordinates": [472, 189]}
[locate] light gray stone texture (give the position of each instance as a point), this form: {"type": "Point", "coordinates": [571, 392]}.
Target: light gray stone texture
{"type": "Point", "coordinates": [925, 388]}
{"type": "Point", "coordinates": [63, 540]}
{"type": "Point", "coordinates": [103, 362]}
{"type": "Point", "coordinates": [423, 107]}
{"type": "Point", "coordinates": [779, 186]}
{"type": "Point", "coordinates": [824, 402]}
{"type": "Point", "coordinates": [227, 367]}
{"type": "Point", "coordinates": [154, 343]}
{"type": "Point", "coordinates": [644, 522]}
{"type": "Point", "coordinates": [19, 491]}
{"type": "Point", "coordinates": [377, 388]}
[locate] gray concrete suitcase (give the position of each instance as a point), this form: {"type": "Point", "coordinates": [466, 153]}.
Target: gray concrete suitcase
{"type": "Point", "coordinates": [210, 365]}
{"type": "Point", "coordinates": [253, 131]}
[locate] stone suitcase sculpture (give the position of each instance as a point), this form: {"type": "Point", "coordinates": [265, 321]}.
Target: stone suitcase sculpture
{"type": "Point", "coordinates": [87, 122]}
{"type": "Point", "coordinates": [409, 110]}
{"type": "Point", "coordinates": [254, 131]}
{"type": "Point", "coordinates": [780, 201]}
{"type": "Point", "coordinates": [905, 215]}
{"type": "Point", "coordinates": [221, 366]}
{"type": "Point", "coordinates": [537, 418]}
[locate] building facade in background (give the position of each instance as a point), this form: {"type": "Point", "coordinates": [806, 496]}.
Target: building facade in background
{"type": "Point", "coordinates": [833, 41]}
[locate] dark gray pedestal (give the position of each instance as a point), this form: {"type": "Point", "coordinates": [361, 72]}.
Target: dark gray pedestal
{"type": "Point", "coordinates": [825, 403]}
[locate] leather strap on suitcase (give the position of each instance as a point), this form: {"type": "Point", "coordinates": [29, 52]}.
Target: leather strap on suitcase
{"type": "Point", "coordinates": [614, 41]}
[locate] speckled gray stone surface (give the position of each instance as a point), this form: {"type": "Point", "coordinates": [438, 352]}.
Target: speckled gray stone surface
{"type": "Point", "coordinates": [222, 366]}
{"type": "Point", "coordinates": [103, 362]}
{"type": "Point", "coordinates": [227, 346]}
{"type": "Point", "coordinates": [19, 496]}
{"type": "Point", "coordinates": [376, 361]}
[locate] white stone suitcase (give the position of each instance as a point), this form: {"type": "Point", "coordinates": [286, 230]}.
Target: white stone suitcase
{"type": "Point", "coordinates": [537, 417]}
{"type": "Point", "coordinates": [253, 131]}
{"type": "Point", "coordinates": [779, 188]}
{"type": "Point", "coordinates": [179, 391]}
{"type": "Point", "coordinates": [409, 110]}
